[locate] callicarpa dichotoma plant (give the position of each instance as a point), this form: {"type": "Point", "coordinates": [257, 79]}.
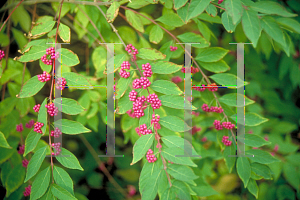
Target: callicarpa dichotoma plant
{"type": "Point", "coordinates": [181, 128]}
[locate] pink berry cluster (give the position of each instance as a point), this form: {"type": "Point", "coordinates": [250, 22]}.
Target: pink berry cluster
{"type": "Point", "coordinates": [44, 77]}
{"type": "Point", "coordinates": [56, 133]}
{"type": "Point", "coordinates": [36, 108]}
{"type": "Point", "coordinates": [131, 49]}
{"type": "Point", "coordinates": [139, 105]}
{"type": "Point", "coordinates": [123, 73]}
{"type": "Point", "coordinates": [220, 1]}
{"type": "Point", "coordinates": [51, 109]}
{"type": "Point", "coordinates": [132, 95]}
{"type": "Point", "coordinates": [37, 127]}
{"type": "Point", "coordinates": [226, 141]}
{"type": "Point", "coordinates": [200, 89]}
{"type": "Point", "coordinates": [195, 129]}
{"type": "Point", "coordinates": [150, 157]}
{"type": "Point", "coordinates": [27, 191]}
{"type": "Point", "coordinates": [228, 125]}
{"type": "Point", "coordinates": [176, 79]}
{"type": "Point", "coordinates": [155, 121]}
{"type": "Point", "coordinates": [131, 190]}
{"type": "Point", "coordinates": [193, 70]}
{"type": "Point", "coordinates": [143, 130]}
{"type": "Point", "coordinates": [173, 48]}
{"type": "Point", "coordinates": [56, 146]}
{"type": "Point", "coordinates": [205, 108]}
{"type": "Point", "coordinates": [147, 70]}
{"type": "Point", "coordinates": [218, 125]}
{"type": "Point", "coordinates": [154, 101]}
{"type": "Point", "coordinates": [25, 163]}
{"type": "Point", "coordinates": [50, 53]}
{"type": "Point", "coordinates": [30, 124]}
{"type": "Point", "coordinates": [2, 54]}
{"type": "Point", "coordinates": [195, 113]}
{"type": "Point", "coordinates": [213, 87]}
{"type": "Point", "coordinates": [131, 113]}
{"type": "Point", "coordinates": [142, 82]}
{"type": "Point", "coordinates": [19, 127]}
{"type": "Point", "coordinates": [21, 149]}
{"type": "Point", "coordinates": [61, 83]}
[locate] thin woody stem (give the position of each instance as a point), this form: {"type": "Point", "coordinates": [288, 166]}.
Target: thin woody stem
{"type": "Point", "coordinates": [10, 14]}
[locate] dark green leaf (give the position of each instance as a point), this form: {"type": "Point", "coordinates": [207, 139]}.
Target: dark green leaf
{"type": "Point", "coordinates": [251, 119]}
{"type": "Point", "coordinates": [227, 23]}
{"type": "Point", "coordinates": [42, 117]}
{"type": "Point", "coordinates": [14, 179]}
{"type": "Point", "coordinates": [31, 141]}
{"type": "Point", "coordinates": [270, 26]}
{"type": "Point", "coordinates": [255, 140]}
{"type": "Point", "coordinates": [253, 188]}
{"type": "Point", "coordinates": [181, 172]}
{"type": "Point", "coordinates": [261, 156]}
{"type": "Point", "coordinates": [190, 37]}
{"type": "Point", "coordinates": [197, 7]}
{"type": "Point", "coordinates": [61, 193]}
{"type": "Point", "coordinates": [234, 9]}
{"type": "Point", "coordinates": [271, 8]}
{"type": "Point", "coordinates": [35, 163]}
{"type": "Point", "coordinates": [251, 26]}
{"type": "Point", "coordinates": [231, 100]}
{"type": "Point", "coordinates": [226, 79]}
{"type": "Point", "coordinates": [62, 178]}
{"type": "Point", "coordinates": [243, 169]}
{"type": "Point", "coordinates": [229, 153]}
{"type": "Point", "coordinates": [68, 159]}
{"type": "Point", "coordinates": [40, 184]}
{"type": "Point", "coordinates": [122, 86]}
{"type": "Point", "coordinates": [141, 147]}
{"type": "Point", "coordinates": [261, 170]}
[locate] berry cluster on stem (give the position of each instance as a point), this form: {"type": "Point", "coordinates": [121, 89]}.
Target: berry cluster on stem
{"type": "Point", "coordinates": [56, 146]}
{"type": "Point", "coordinates": [150, 157]}
{"type": "Point", "coordinates": [205, 108]}
{"type": "Point", "coordinates": [27, 191]}
{"type": "Point", "coordinates": [21, 149]}
{"type": "Point", "coordinates": [56, 133]}
{"type": "Point", "coordinates": [36, 108]}
{"type": "Point", "coordinates": [226, 141]}
{"type": "Point", "coordinates": [123, 73]}
{"type": "Point", "coordinates": [30, 124]}
{"type": "Point", "coordinates": [60, 83]}
{"type": "Point", "coordinates": [44, 77]}
{"type": "Point", "coordinates": [132, 50]}
{"type": "Point", "coordinates": [173, 48]}
{"type": "Point", "coordinates": [51, 109]}
{"type": "Point", "coordinates": [25, 163]}
{"type": "Point", "coordinates": [37, 127]}
{"type": "Point", "coordinates": [2, 54]}
{"type": "Point", "coordinates": [19, 127]}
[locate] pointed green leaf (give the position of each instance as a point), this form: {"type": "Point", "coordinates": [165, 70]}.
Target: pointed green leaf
{"type": "Point", "coordinates": [261, 170]}
{"type": "Point", "coordinates": [251, 119]}
{"type": "Point", "coordinates": [141, 147]}
{"type": "Point", "coordinates": [150, 54]}
{"type": "Point", "coordinates": [174, 124]}
{"type": "Point", "coordinates": [251, 26]}
{"type": "Point", "coordinates": [40, 184]}
{"type": "Point", "coordinates": [14, 179]}
{"type": "Point", "coordinates": [31, 87]}
{"type": "Point", "coordinates": [227, 22]}
{"type": "Point", "coordinates": [234, 9]}
{"type": "Point", "coordinates": [64, 33]}
{"type": "Point", "coordinates": [226, 79]}
{"type": "Point", "coordinates": [193, 37]}
{"type": "Point", "coordinates": [71, 127]}
{"type": "Point", "coordinates": [228, 156]}
{"type": "Point", "coordinates": [61, 193]}
{"type": "Point", "coordinates": [31, 141]}
{"type": "Point", "coordinates": [261, 156]}
{"type": "Point", "coordinates": [179, 3]}
{"type": "Point", "coordinates": [253, 188]}
{"type": "Point", "coordinates": [112, 12]}
{"type": "Point", "coordinates": [197, 7]}
{"type": "Point", "coordinates": [147, 171]}
{"type": "Point", "coordinates": [3, 142]}
{"type": "Point", "coordinates": [69, 58]}
{"type": "Point", "coordinates": [68, 106]}
{"type": "Point", "coordinates": [45, 67]}
{"type": "Point", "coordinates": [255, 140]}
{"type": "Point", "coordinates": [174, 155]}
{"type": "Point", "coordinates": [270, 26]}
{"type": "Point", "coordinates": [243, 169]}
{"type": "Point", "coordinates": [230, 100]}
{"type": "Point", "coordinates": [166, 87]}
{"type": "Point", "coordinates": [62, 178]}
{"type": "Point", "coordinates": [291, 175]}
{"type": "Point", "coordinates": [35, 53]}
{"type": "Point", "coordinates": [35, 163]}
{"type": "Point", "coordinates": [164, 67]}
{"type": "Point", "coordinates": [156, 34]}
{"type": "Point", "coordinates": [42, 117]}
{"type": "Point", "coordinates": [176, 141]}
{"type": "Point", "coordinates": [68, 160]}
{"type": "Point", "coordinates": [211, 54]}
{"type": "Point", "coordinates": [174, 101]}
{"type": "Point", "coordinates": [42, 28]}
{"type": "Point", "coordinates": [124, 104]}
{"type": "Point", "coordinates": [48, 195]}
{"type": "Point", "coordinates": [181, 190]}
{"type": "Point", "coordinates": [134, 20]}
{"type": "Point", "coordinates": [149, 192]}
{"type": "Point", "coordinates": [289, 23]}
{"type": "Point", "coordinates": [271, 8]}
{"type": "Point", "coordinates": [171, 19]}
{"type": "Point", "coordinates": [122, 86]}
{"type": "Point", "coordinates": [181, 172]}
{"type": "Point", "coordinates": [74, 79]}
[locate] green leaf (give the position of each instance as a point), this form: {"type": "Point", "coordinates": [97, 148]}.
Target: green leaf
{"type": "Point", "coordinates": [270, 26]}
{"type": "Point", "coordinates": [183, 12]}
{"type": "Point", "coordinates": [35, 163]}
{"type": "Point", "coordinates": [243, 169]}
{"type": "Point", "coordinates": [42, 116]}
{"type": "Point", "coordinates": [234, 9]}
{"type": "Point", "coordinates": [64, 33]}
{"type": "Point", "coordinates": [251, 26]}
{"type": "Point", "coordinates": [45, 67]}
{"type": "Point", "coordinates": [112, 12]}
{"type": "Point", "coordinates": [228, 23]}
{"type": "Point", "coordinates": [48, 195]}
{"type": "Point", "coordinates": [150, 190]}
{"type": "Point", "coordinates": [171, 19]}
{"type": "Point", "coordinates": [134, 21]}
{"type": "Point", "coordinates": [69, 58]}
{"type": "Point", "coordinates": [289, 23]}
{"type": "Point", "coordinates": [35, 53]}
{"type": "Point", "coordinates": [99, 62]}
{"type": "Point", "coordinates": [74, 79]}
{"type": "Point", "coordinates": [255, 140]}
{"type": "Point", "coordinates": [208, 18]}
{"type": "Point", "coordinates": [251, 119]}
{"type": "Point", "coordinates": [217, 67]}
{"type": "Point", "coordinates": [229, 152]}
{"type": "Point", "coordinates": [38, 42]}
{"type": "Point", "coordinates": [150, 54]}
{"type": "Point", "coordinates": [141, 147]}
{"type": "Point", "coordinates": [14, 179]}
{"type": "Point", "coordinates": [3, 142]}
{"type": "Point", "coordinates": [271, 8]}
{"type": "Point", "coordinates": [7, 153]}
{"type": "Point", "coordinates": [166, 87]}
{"type": "Point", "coordinates": [231, 100]}
{"type": "Point", "coordinates": [174, 154]}
{"type": "Point", "coordinates": [179, 3]}
{"type": "Point", "coordinates": [124, 104]}
{"type": "Point", "coordinates": [212, 54]}
{"type": "Point", "coordinates": [290, 172]}
{"type": "Point", "coordinates": [190, 37]}
{"type": "Point", "coordinates": [181, 190]}
{"type": "Point", "coordinates": [176, 141]}
{"type": "Point", "coordinates": [68, 106]}
{"type": "Point", "coordinates": [147, 172]}
{"type": "Point", "coordinates": [137, 4]}
{"type": "Point", "coordinates": [71, 127]}
{"type": "Point", "coordinates": [22, 17]}
{"type": "Point", "coordinates": [40, 184]}
{"type": "Point", "coordinates": [61, 193]}
{"type": "Point", "coordinates": [226, 79]}
{"type": "Point", "coordinates": [31, 87]}
{"type": "Point", "coordinates": [181, 172]}
{"type": "Point", "coordinates": [42, 28]}
{"type": "Point", "coordinates": [253, 188]}
{"type": "Point", "coordinates": [122, 86]}
{"type": "Point", "coordinates": [62, 178]}
{"type": "Point", "coordinates": [164, 67]}
{"type": "Point", "coordinates": [261, 156]}
{"type": "Point", "coordinates": [68, 160]}
{"type": "Point", "coordinates": [31, 141]}
{"type": "Point", "coordinates": [197, 7]}
{"type": "Point", "coordinates": [174, 101]}
{"type": "Point", "coordinates": [261, 170]}
{"type": "Point", "coordinates": [285, 192]}
{"type": "Point", "coordinates": [156, 34]}
{"type": "Point", "coordinates": [174, 124]}
{"type": "Point", "coordinates": [20, 38]}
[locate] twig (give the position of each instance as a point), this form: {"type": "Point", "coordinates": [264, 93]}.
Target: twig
{"type": "Point", "coordinates": [10, 14]}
